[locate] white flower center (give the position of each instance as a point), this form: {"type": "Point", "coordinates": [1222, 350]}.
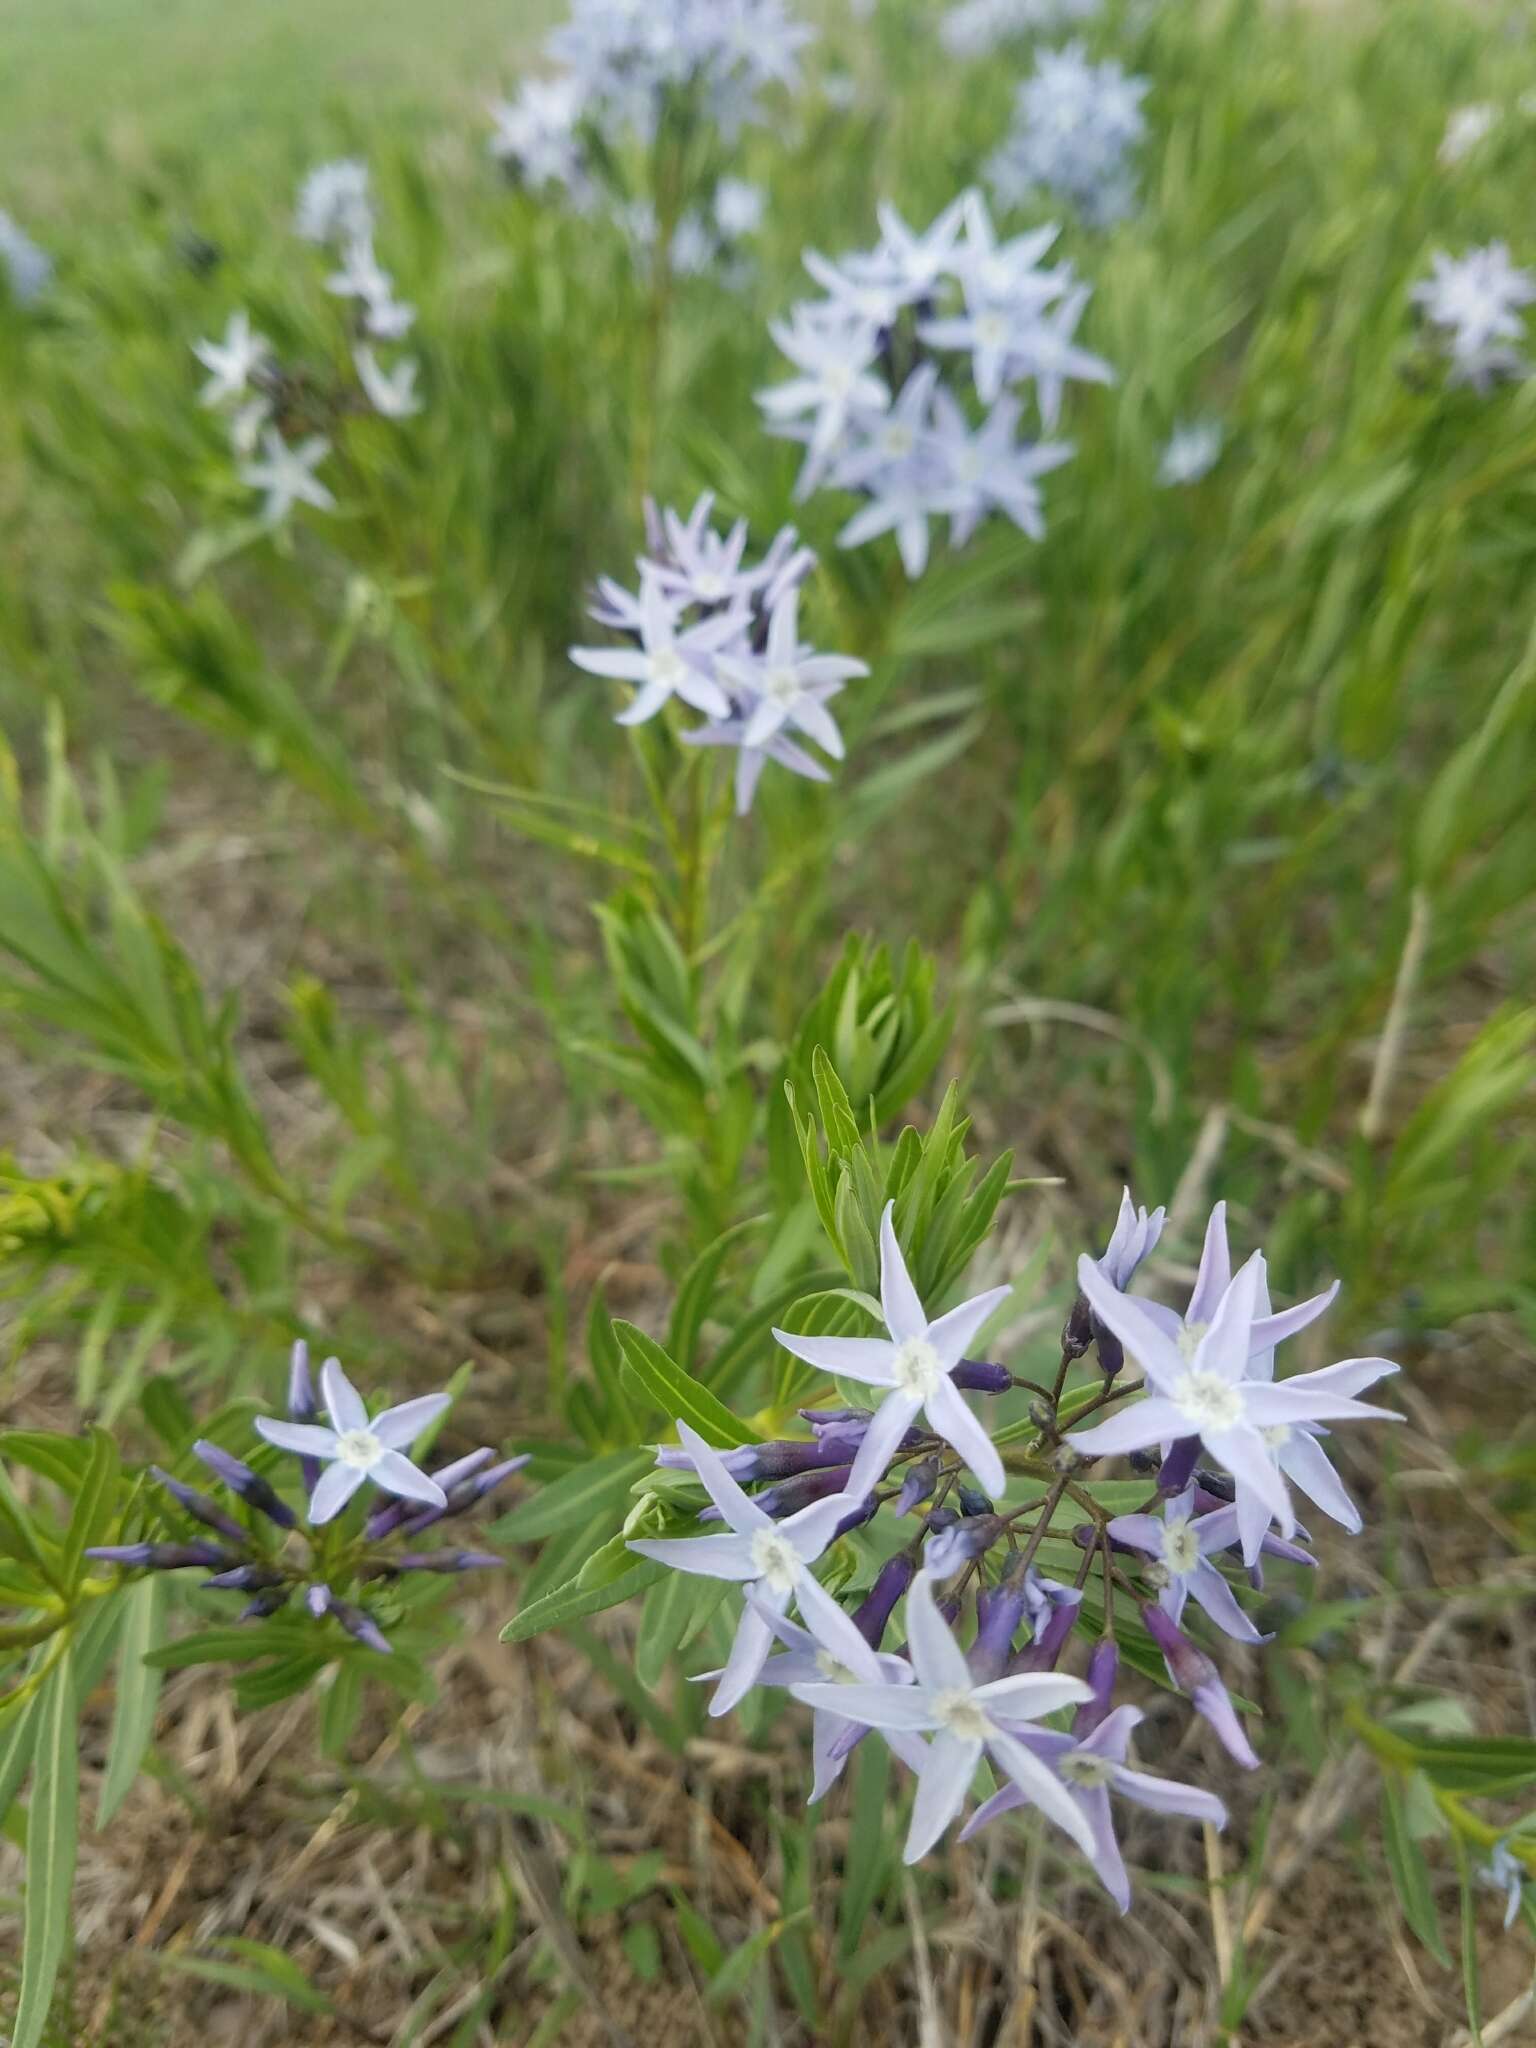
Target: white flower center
{"type": "Point", "coordinates": [1090, 1770]}
{"type": "Point", "coordinates": [1277, 1435]}
{"type": "Point", "coordinates": [1181, 1549]}
{"type": "Point", "coordinates": [899, 438]}
{"type": "Point", "coordinates": [833, 1672]}
{"type": "Point", "coordinates": [958, 1714]}
{"type": "Point", "coordinates": [358, 1447]}
{"type": "Point", "coordinates": [838, 379]}
{"type": "Point", "coordinates": [781, 685]}
{"type": "Point", "coordinates": [968, 466]}
{"type": "Point", "coordinates": [992, 330]}
{"type": "Point", "coordinates": [668, 667]}
{"type": "Point", "coordinates": [916, 1368]}
{"type": "Point", "coordinates": [1208, 1401]}
{"type": "Point", "coordinates": [709, 585]}
{"type": "Point", "coordinates": [776, 1560]}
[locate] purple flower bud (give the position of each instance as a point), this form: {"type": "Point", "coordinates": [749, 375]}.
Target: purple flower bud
{"type": "Point", "coordinates": [363, 1626]}
{"type": "Point", "coordinates": [265, 1603]}
{"type": "Point", "coordinates": [978, 1377]}
{"type": "Point", "coordinates": [999, 1610]}
{"type": "Point", "coordinates": [891, 1583]}
{"type": "Point", "coordinates": [445, 1560]}
{"type": "Point", "coordinates": [201, 1508]}
{"type": "Point", "coordinates": [162, 1557]}
{"type": "Point", "coordinates": [239, 1478]}
{"type": "Point", "coordinates": [865, 1511]}
{"type": "Point", "coordinates": [918, 1485]}
{"type": "Point", "coordinates": [793, 1494]}
{"type": "Point", "coordinates": [1077, 1330]}
{"type": "Point", "coordinates": [318, 1600]}
{"type": "Point", "coordinates": [302, 1406]}
{"type": "Point", "coordinates": [741, 1463]}
{"type": "Point", "coordinates": [972, 1500]}
{"type": "Point", "coordinates": [1111, 1350]}
{"type": "Point", "coordinates": [1194, 1673]}
{"type": "Point", "coordinates": [1103, 1675]}
{"type": "Point", "coordinates": [463, 1494]}
{"type": "Point", "coordinates": [244, 1578]}
{"type": "Point", "coordinates": [1178, 1468]}
{"type": "Point", "coordinates": [833, 1418]}
{"type": "Point", "coordinates": [957, 1546]}
{"type": "Point", "coordinates": [393, 1513]}
{"type": "Point", "coordinates": [1050, 1640]}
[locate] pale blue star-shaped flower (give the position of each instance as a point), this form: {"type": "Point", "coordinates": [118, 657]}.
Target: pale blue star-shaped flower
{"type": "Point", "coordinates": [965, 1720]}
{"type": "Point", "coordinates": [915, 1362]}
{"type": "Point", "coordinates": [772, 1558]}
{"type": "Point", "coordinates": [355, 1450]}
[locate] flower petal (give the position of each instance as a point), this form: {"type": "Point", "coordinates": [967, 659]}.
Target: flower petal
{"type": "Point", "coordinates": [344, 1404]}
{"type": "Point", "coordinates": [1152, 1421]}
{"type": "Point", "coordinates": [902, 1707]}
{"type": "Point", "coordinates": [741, 1513]}
{"type": "Point", "coordinates": [708, 1557]}
{"type": "Point", "coordinates": [307, 1438]}
{"type": "Point", "coordinates": [1159, 1358]}
{"type": "Point", "coordinates": [951, 1335]}
{"type": "Point", "coordinates": [1028, 1695]}
{"type": "Point", "coordinates": [333, 1489]}
{"type": "Point", "coordinates": [936, 1656]}
{"type": "Point", "coordinates": [904, 1315]}
{"type": "Point", "coordinates": [1042, 1788]}
{"type": "Point", "coordinates": [851, 1358]}
{"type": "Point", "coordinates": [748, 1655]}
{"type": "Point", "coordinates": [399, 1427]}
{"type": "Point", "coordinates": [942, 1785]}
{"type": "Point", "coordinates": [889, 1424]}
{"type": "Point", "coordinates": [949, 1416]}
{"type": "Point", "coordinates": [1165, 1795]}
{"type": "Point", "coordinates": [1304, 1461]}
{"type": "Point", "coordinates": [396, 1474]}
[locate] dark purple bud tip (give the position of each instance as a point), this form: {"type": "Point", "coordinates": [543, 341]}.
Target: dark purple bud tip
{"type": "Point", "coordinates": [918, 1485]}
{"type": "Point", "coordinates": [978, 1377]}
{"type": "Point", "coordinates": [999, 1611]}
{"type": "Point", "coordinates": [1103, 1676]}
{"type": "Point", "coordinates": [891, 1583]}
{"type": "Point", "coordinates": [265, 1603]}
{"type": "Point", "coordinates": [244, 1578]}
{"type": "Point", "coordinates": [1111, 1350]}
{"type": "Point", "coordinates": [791, 1495]}
{"type": "Point", "coordinates": [1077, 1331]}
{"type": "Point", "coordinates": [302, 1406]}
{"type": "Point", "coordinates": [446, 1560]}
{"type": "Point", "coordinates": [972, 1500]}
{"type": "Point", "coordinates": [200, 1507]}
{"type": "Point", "coordinates": [857, 1517]}
{"type": "Point", "coordinates": [126, 1554]}
{"type": "Point", "coordinates": [164, 1557]}
{"type": "Point", "coordinates": [363, 1626]}
{"type": "Point", "coordinates": [1178, 1468]}
{"type": "Point", "coordinates": [239, 1478]}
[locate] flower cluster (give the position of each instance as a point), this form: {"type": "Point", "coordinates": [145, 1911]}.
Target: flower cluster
{"type": "Point", "coordinates": [722, 636]}
{"type": "Point", "coordinates": [985, 1628]}
{"type": "Point", "coordinates": [881, 413]}
{"type": "Point", "coordinates": [272, 412]}
{"type": "Point", "coordinates": [625, 66]}
{"type": "Point", "coordinates": [1075, 125]}
{"type": "Point", "coordinates": [27, 268]}
{"type": "Point", "coordinates": [1475, 304]}
{"type": "Point", "coordinates": [265, 1557]}
{"type": "Point", "coordinates": [978, 27]}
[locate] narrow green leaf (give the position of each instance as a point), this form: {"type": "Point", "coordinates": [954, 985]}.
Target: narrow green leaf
{"type": "Point", "coordinates": [51, 1843]}
{"type": "Point", "coordinates": [571, 1602]}
{"type": "Point", "coordinates": [138, 1692]}
{"type": "Point", "coordinates": [677, 1394]}
{"type": "Point", "coordinates": [1471, 1984]}
{"type": "Point", "coordinates": [1409, 1873]}
{"type": "Point", "coordinates": [93, 1504]}
{"type": "Point", "coordinates": [590, 1496]}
